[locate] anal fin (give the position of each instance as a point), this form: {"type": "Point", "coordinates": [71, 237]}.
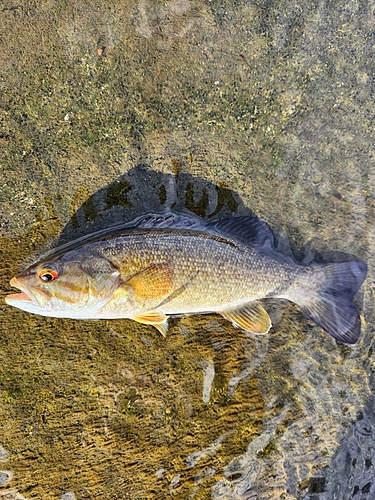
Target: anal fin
{"type": "Point", "coordinates": [252, 317]}
{"type": "Point", "coordinates": [157, 319]}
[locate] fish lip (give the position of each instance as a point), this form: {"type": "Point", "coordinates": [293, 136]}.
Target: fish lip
{"type": "Point", "coordinates": [17, 296]}
{"type": "Point", "coordinates": [25, 295]}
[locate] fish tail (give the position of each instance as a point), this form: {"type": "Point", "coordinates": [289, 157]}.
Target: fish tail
{"type": "Point", "coordinates": [325, 294]}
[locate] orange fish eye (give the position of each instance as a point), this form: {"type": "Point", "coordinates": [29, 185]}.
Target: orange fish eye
{"type": "Point", "coordinates": [48, 274]}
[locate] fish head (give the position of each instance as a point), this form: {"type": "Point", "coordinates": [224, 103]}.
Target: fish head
{"type": "Point", "coordinates": [64, 287]}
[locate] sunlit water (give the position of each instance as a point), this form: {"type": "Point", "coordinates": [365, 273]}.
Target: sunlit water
{"type": "Point", "coordinates": [217, 109]}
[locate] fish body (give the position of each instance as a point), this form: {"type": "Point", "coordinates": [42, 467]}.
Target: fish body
{"type": "Point", "coordinates": [168, 264]}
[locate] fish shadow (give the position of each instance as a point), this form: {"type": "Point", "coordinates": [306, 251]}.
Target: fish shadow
{"type": "Point", "coordinates": [142, 190]}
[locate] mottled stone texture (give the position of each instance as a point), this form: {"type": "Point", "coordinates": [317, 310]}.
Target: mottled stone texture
{"type": "Point", "coordinates": [110, 109]}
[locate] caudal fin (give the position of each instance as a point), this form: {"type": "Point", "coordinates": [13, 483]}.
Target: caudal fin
{"type": "Point", "coordinates": [331, 305]}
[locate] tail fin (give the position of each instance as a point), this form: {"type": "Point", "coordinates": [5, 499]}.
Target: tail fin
{"type": "Point", "coordinates": [331, 304]}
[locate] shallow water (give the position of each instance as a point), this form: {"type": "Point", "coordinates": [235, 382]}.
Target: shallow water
{"type": "Point", "coordinates": [208, 107]}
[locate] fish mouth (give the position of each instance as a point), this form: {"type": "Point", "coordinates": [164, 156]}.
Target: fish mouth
{"type": "Point", "coordinates": [26, 295]}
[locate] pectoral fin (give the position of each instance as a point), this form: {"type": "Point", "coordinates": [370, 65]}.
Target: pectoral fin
{"type": "Point", "coordinates": [176, 293]}
{"type": "Point", "coordinates": [251, 317]}
{"type": "Point", "coordinates": [157, 319]}
{"type": "Point", "coordinates": [153, 282]}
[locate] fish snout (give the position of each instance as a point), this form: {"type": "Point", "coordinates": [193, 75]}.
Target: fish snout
{"type": "Point", "coordinates": [15, 283]}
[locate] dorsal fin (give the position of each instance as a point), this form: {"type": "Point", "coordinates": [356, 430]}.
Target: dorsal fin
{"type": "Point", "coordinates": [169, 219]}
{"type": "Point", "coordinates": [147, 221]}
{"type": "Point", "coordinates": [252, 231]}
{"type": "Point", "coordinates": [248, 229]}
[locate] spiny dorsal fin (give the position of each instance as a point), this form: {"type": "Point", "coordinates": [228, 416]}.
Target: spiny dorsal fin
{"type": "Point", "coordinates": [252, 317]}
{"type": "Point", "coordinates": [147, 221]}
{"type": "Point", "coordinates": [169, 219]}
{"type": "Point", "coordinates": [248, 230]}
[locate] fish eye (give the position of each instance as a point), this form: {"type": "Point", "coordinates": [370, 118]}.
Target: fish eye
{"type": "Point", "coordinates": [48, 274]}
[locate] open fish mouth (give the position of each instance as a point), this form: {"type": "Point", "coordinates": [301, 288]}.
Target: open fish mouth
{"type": "Point", "coordinates": [25, 295]}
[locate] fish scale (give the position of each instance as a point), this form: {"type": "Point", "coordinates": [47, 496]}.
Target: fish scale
{"type": "Point", "coordinates": [228, 272]}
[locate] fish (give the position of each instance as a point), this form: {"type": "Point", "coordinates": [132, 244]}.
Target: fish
{"type": "Point", "coordinates": [169, 264]}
